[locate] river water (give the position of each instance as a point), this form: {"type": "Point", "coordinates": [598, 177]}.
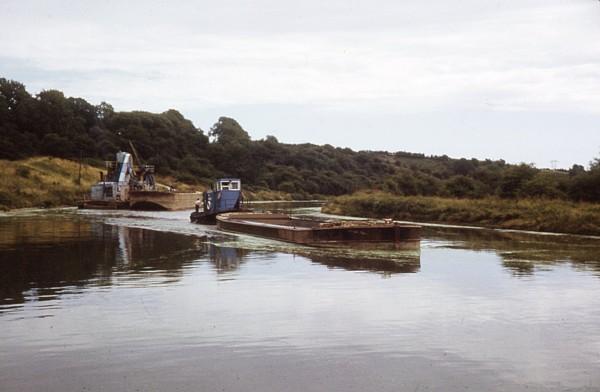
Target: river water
{"type": "Point", "coordinates": [146, 301]}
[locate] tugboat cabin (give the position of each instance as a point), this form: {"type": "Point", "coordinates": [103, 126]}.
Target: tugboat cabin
{"type": "Point", "coordinates": [228, 184]}
{"type": "Point", "coordinates": [225, 196]}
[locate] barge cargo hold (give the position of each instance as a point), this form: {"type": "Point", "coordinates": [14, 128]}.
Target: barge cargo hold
{"type": "Point", "coordinates": [362, 234]}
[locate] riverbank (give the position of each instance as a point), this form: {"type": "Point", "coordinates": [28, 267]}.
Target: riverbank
{"type": "Point", "coordinates": [43, 182]}
{"type": "Point", "coordinates": [528, 214]}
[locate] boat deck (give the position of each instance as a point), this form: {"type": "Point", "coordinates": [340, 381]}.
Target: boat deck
{"type": "Point", "coordinates": [316, 233]}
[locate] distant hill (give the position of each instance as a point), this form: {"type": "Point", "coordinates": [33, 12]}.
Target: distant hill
{"type": "Point", "coordinates": [51, 124]}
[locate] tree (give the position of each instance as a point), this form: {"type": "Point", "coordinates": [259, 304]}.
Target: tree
{"type": "Point", "coordinates": [55, 125]}
{"type": "Point", "coordinates": [462, 186]}
{"type": "Point", "coordinates": [595, 164]}
{"type": "Point", "coordinates": [576, 170]}
{"type": "Point", "coordinates": [513, 179]}
{"type": "Point", "coordinates": [12, 94]}
{"type": "Point", "coordinates": [543, 184]}
{"type": "Point", "coordinates": [227, 130]}
{"type": "Point", "coordinates": [104, 111]}
{"type": "Point", "coordinates": [463, 167]}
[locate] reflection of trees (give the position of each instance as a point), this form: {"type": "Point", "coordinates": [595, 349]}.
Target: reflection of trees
{"type": "Point", "coordinates": [41, 258]}
{"type": "Point", "coordinates": [521, 252]}
{"type": "Point", "coordinates": [48, 257]}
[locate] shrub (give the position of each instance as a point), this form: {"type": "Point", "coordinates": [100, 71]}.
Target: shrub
{"type": "Point", "coordinates": [23, 171]}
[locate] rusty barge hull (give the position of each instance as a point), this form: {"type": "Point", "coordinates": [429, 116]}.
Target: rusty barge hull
{"type": "Point", "coordinates": [169, 201]}
{"type": "Point", "coordinates": [146, 200]}
{"type": "Point", "coordinates": [205, 218]}
{"type": "Point", "coordinates": [322, 234]}
{"type": "Point", "coordinates": [103, 205]}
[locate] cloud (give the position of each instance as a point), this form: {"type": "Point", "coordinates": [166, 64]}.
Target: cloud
{"type": "Point", "coordinates": [369, 58]}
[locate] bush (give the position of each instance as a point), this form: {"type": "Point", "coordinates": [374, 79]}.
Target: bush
{"type": "Point", "coordinates": [528, 214]}
{"type": "Point", "coordinates": [8, 200]}
{"type": "Point", "coordinates": [23, 171]}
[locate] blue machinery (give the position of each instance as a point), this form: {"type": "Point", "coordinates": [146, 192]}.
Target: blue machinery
{"type": "Point", "coordinates": [225, 196]}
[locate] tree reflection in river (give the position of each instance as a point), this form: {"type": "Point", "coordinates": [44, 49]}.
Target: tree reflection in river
{"type": "Point", "coordinates": [41, 259]}
{"type": "Point", "coordinates": [46, 257]}
{"type": "Point", "coordinates": [87, 302]}
{"type": "Point", "coordinates": [522, 253]}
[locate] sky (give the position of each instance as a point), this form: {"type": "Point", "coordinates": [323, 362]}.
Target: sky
{"type": "Point", "coordinates": [517, 80]}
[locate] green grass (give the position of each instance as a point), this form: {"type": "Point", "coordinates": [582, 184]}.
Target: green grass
{"type": "Point", "coordinates": [525, 214]}
{"type": "Point", "coordinates": [43, 182]}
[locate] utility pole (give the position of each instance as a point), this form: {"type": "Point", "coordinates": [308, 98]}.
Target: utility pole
{"type": "Point", "coordinates": [79, 175]}
{"type": "Point", "coordinates": [553, 164]}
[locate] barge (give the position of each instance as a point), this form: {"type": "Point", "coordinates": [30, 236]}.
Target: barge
{"type": "Point", "coordinates": [129, 186]}
{"type": "Point", "coordinates": [362, 234]}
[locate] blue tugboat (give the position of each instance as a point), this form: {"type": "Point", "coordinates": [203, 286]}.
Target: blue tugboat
{"type": "Point", "coordinates": [225, 196]}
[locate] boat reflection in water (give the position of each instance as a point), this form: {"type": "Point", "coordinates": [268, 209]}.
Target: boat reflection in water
{"type": "Point", "coordinates": [410, 264]}
{"type": "Point", "coordinates": [43, 259]}
{"type": "Point", "coordinates": [132, 308]}
{"type": "Point", "coordinates": [228, 259]}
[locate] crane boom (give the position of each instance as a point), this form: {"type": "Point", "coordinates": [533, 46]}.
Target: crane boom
{"type": "Point", "coordinates": [135, 154]}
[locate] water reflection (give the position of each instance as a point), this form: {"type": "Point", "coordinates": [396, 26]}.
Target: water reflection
{"type": "Point", "coordinates": [226, 259]}
{"type": "Point", "coordinates": [523, 253]}
{"type": "Point", "coordinates": [134, 309]}
{"type": "Point", "coordinates": [41, 259]}
{"type": "Point", "coordinates": [386, 267]}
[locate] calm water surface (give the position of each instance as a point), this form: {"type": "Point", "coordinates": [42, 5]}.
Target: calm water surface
{"type": "Point", "coordinates": [97, 301]}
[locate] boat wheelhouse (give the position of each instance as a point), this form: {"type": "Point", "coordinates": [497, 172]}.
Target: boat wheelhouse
{"type": "Point", "coordinates": [225, 196]}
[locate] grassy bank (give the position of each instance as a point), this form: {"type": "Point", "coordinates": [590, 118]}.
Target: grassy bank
{"type": "Point", "coordinates": [52, 182]}
{"type": "Point", "coordinates": [527, 214]}
{"type": "Point", "coordinates": [43, 182]}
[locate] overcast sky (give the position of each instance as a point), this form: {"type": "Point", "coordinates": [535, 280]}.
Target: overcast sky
{"type": "Point", "coordinates": [518, 79]}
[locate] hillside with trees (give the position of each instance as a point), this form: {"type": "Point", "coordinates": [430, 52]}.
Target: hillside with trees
{"type": "Point", "coordinates": [50, 124]}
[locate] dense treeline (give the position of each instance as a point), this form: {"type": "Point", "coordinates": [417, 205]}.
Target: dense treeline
{"type": "Point", "coordinates": [51, 124]}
